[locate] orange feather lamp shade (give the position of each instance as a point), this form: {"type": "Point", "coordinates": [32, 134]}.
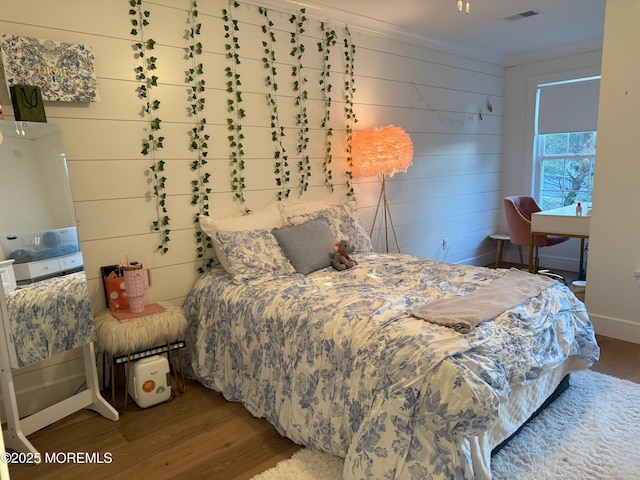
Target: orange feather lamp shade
{"type": "Point", "coordinates": [381, 151]}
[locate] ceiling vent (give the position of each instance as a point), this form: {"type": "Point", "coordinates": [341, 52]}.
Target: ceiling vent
{"type": "Point", "coordinates": [518, 16]}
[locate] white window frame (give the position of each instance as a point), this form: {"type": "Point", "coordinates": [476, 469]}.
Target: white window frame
{"type": "Point", "coordinates": [539, 157]}
{"type": "Point", "coordinates": [535, 171]}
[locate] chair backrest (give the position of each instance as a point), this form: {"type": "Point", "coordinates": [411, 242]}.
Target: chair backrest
{"type": "Point", "coordinates": [518, 210]}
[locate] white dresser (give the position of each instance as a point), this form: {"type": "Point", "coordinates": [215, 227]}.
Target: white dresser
{"type": "Point", "coordinates": [45, 268]}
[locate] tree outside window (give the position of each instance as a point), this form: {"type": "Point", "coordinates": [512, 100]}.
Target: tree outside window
{"type": "Point", "coordinates": [567, 166]}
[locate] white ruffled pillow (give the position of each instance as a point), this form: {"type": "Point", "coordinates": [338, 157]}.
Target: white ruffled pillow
{"type": "Point", "coordinates": [293, 207]}
{"type": "Point", "coordinates": [343, 221]}
{"type": "Point", "coordinates": [267, 218]}
{"type": "Point", "coordinates": [253, 254]}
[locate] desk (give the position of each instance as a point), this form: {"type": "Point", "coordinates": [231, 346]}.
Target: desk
{"type": "Point", "coordinates": [562, 222]}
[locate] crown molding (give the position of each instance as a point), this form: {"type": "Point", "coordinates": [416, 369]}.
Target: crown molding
{"type": "Point", "coordinates": [378, 28]}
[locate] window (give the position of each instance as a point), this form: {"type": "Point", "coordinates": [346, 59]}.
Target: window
{"type": "Point", "coordinates": [566, 167]}
{"type": "Point", "coordinates": [565, 142]}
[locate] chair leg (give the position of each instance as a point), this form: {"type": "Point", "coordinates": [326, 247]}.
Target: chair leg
{"type": "Point", "coordinates": [499, 252]}
{"type": "Point", "coordinates": [520, 252]}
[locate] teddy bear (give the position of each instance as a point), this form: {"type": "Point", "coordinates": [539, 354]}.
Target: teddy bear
{"type": "Point", "coordinates": [341, 259]}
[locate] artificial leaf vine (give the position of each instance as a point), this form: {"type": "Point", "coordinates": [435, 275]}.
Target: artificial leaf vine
{"type": "Point", "coordinates": [327, 41]}
{"type": "Point", "coordinates": [349, 91]}
{"type": "Point", "coordinates": [234, 102]}
{"type": "Point", "coordinates": [281, 158]}
{"type": "Point", "coordinates": [198, 139]}
{"type": "Point", "coordinates": [153, 141]}
{"type": "Point", "coordinates": [300, 99]}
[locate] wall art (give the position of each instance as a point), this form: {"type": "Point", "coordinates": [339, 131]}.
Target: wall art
{"type": "Point", "coordinates": [64, 71]}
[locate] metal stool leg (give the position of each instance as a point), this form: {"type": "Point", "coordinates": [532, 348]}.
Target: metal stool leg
{"type": "Point", "coordinates": [113, 381]}
{"type": "Point", "coordinates": [126, 382]}
{"type": "Point", "coordinates": [184, 385]}
{"type": "Point", "coordinates": [173, 368]}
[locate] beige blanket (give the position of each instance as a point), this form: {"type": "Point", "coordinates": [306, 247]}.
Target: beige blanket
{"type": "Point", "coordinates": [462, 313]}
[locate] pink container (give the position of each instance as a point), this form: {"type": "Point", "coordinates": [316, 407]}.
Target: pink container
{"type": "Point", "coordinates": [135, 286]}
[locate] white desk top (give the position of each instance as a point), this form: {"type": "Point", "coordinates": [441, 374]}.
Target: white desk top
{"type": "Point", "coordinates": [562, 221]}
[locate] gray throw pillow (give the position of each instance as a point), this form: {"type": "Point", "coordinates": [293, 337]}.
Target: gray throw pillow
{"type": "Point", "coordinates": [309, 245]}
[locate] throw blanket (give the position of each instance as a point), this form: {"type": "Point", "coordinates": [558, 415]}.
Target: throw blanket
{"type": "Point", "coordinates": [462, 313]}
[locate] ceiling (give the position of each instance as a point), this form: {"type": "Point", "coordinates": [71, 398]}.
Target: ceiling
{"type": "Point", "coordinates": [561, 26]}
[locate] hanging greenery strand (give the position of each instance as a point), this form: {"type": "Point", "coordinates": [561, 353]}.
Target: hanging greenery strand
{"type": "Point", "coordinates": [281, 158]}
{"type": "Point", "coordinates": [198, 139]}
{"type": "Point", "coordinates": [300, 99]}
{"type": "Point", "coordinates": [328, 40]}
{"type": "Point", "coordinates": [234, 102]}
{"type": "Point", "coordinates": [153, 140]}
{"type": "Point", "coordinates": [349, 91]}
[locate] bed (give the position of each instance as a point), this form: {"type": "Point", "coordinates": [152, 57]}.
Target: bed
{"type": "Point", "coordinates": [347, 362]}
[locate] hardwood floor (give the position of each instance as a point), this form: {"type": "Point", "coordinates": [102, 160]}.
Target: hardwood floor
{"type": "Point", "coordinates": [618, 358]}
{"type": "Point", "coordinates": [198, 435]}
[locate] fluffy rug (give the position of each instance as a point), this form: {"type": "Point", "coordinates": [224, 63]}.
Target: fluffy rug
{"type": "Point", "coordinates": [592, 431]}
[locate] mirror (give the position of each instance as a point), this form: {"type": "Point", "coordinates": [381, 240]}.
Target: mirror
{"type": "Point", "coordinates": [44, 303]}
{"type": "Point", "coordinates": [44, 293]}
{"type": "Point", "coordinates": [38, 225]}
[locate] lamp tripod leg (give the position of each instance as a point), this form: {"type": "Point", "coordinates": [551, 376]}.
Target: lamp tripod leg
{"type": "Point", "coordinates": [375, 216]}
{"type": "Point", "coordinates": [393, 229]}
{"type": "Point", "coordinates": [387, 215]}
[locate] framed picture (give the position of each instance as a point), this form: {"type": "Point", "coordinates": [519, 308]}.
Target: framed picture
{"type": "Point", "coordinates": [64, 71]}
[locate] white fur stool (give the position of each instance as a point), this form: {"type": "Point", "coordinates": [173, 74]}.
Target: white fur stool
{"type": "Point", "coordinates": [148, 332]}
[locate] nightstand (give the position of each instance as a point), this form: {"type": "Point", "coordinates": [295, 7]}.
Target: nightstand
{"type": "Point", "coordinates": [158, 330]}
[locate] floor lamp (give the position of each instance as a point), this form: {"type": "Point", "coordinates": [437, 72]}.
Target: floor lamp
{"type": "Point", "coordinates": [382, 152]}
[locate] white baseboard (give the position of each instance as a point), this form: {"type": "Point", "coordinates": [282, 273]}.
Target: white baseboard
{"type": "Point", "coordinates": [615, 327]}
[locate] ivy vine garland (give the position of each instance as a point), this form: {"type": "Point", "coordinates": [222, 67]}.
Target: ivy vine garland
{"type": "Point", "coordinates": [197, 137]}
{"type": "Point", "coordinates": [153, 141]}
{"type": "Point", "coordinates": [349, 91]}
{"type": "Point", "coordinates": [301, 96]}
{"type": "Point", "coordinates": [237, 113]}
{"type": "Point", "coordinates": [281, 164]}
{"type": "Point", "coordinates": [328, 40]}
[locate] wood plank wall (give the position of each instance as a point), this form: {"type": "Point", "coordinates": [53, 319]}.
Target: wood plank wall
{"type": "Point", "coordinates": [450, 105]}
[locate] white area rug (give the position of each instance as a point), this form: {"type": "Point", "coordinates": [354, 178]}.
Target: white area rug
{"type": "Point", "coordinates": [592, 431]}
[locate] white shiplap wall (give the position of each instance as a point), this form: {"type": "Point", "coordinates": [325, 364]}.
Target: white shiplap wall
{"type": "Point", "coordinates": [452, 190]}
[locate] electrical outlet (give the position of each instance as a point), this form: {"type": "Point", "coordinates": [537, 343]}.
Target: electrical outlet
{"type": "Point", "coordinates": [445, 243]}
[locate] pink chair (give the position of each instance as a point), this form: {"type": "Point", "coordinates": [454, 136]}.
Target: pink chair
{"type": "Point", "coordinates": [518, 210]}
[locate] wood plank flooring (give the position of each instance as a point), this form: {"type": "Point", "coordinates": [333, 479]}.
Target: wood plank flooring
{"type": "Point", "coordinates": [198, 435]}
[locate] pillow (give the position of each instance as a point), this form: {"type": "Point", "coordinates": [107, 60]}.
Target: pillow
{"type": "Point", "coordinates": [253, 254]}
{"type": "Point", "coordinates": [344, 223]}
{"type": "Point", "coordinates": [309, 245]}
{"type": "Point", "coordinates": [292, 207]}
{"type": "Point", "coordinates": [266, 219]}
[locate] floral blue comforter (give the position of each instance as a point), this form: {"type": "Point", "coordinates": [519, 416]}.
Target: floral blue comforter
{"type": "Point", "coordinates": [335, 361]}
{"type": "Point", "coordinates": [50, 317]}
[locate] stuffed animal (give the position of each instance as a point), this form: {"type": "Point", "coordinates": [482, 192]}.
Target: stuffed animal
{"type": "Point", "coordinates": [342, 260]}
